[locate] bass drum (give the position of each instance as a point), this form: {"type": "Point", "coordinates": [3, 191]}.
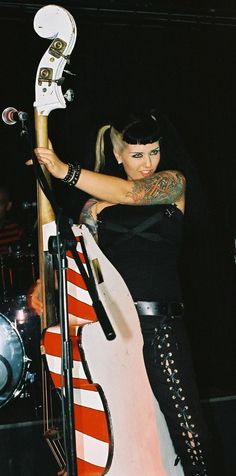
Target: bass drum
{"type": "Point", "coordinates": [13, 361]}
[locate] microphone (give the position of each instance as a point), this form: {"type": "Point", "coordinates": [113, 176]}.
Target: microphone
{"type": "Point", "coordinates": [28, 205]}
{"type": "Point", "coordinates": [10, 116]}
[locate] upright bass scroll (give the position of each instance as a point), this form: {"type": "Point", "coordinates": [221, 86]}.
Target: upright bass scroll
{"type": "Point", "coordinates": [57, 24]}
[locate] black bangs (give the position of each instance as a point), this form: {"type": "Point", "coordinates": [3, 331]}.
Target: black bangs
{"type": "Point", "coordinates": [139, 129]}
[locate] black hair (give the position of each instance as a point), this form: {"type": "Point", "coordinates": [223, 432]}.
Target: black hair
{"type": "Point", "coordinates": [138, 128]}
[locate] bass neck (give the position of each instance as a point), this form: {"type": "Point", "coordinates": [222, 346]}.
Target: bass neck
{"type": "Point", "coordinates": [45, 216]}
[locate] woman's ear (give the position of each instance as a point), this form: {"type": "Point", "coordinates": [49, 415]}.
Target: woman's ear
{"type": "Point", "coordinates": [117, 156]}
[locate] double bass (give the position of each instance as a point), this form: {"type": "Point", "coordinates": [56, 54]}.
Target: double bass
{"type": "Point", "coordinates": [117, 425]}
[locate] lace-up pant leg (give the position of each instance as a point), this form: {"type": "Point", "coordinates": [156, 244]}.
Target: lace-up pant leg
{"type": "Point", "coordinates": [169, 367]}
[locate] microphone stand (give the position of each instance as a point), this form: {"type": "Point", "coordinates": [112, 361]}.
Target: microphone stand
{"type": "Point", "coordinates": [58, 245]}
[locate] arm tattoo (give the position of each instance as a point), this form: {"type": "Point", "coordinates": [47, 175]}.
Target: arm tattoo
{"type": "Point", "coordinates": [162, 188]}
{"type": "Point", "coordinates": [86, 217]}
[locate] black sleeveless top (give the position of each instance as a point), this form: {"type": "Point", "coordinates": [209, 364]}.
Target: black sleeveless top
{"type": "Point", "coordinates": [143, 244]}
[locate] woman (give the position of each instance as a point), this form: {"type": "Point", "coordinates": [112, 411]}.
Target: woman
{"type": "Point", "coordinates": [138, 222]}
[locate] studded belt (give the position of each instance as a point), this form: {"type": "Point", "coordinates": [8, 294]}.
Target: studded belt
{"type": "Point", "coordinates": [154, 308]}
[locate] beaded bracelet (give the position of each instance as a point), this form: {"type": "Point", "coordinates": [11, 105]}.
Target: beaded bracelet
{"type": "Point", "coordinates": [69, 174]}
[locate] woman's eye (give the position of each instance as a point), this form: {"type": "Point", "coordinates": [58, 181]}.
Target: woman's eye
{"type": "Point", "coordinates": [137, 156]}
{"type": "Point", "coordinates": [156, 151]}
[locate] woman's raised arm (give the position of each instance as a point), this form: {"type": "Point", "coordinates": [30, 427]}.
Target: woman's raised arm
{"type": "Point", "coordinates": [162, 188]}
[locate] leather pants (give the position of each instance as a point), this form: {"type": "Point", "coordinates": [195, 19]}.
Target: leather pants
{"type": "Point", "coordinates": [169, 367]}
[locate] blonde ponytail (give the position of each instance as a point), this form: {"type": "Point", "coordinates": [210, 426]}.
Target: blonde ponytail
{"type": "Point", "coordinates": [99, 148]}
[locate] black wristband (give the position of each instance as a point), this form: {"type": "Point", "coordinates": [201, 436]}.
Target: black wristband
{"type": "Point", "coordinates": [70, 173]}
{"type": "Point", "coordinates": [77, 172]}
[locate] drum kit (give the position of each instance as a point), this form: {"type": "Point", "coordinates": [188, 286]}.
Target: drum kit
{"type": "Point", "coordinates": [19, 326]}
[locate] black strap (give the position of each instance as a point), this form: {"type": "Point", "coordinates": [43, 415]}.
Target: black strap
{"type": "Point", "coordinates": [138, 230]}
{"type": "Point", "coordinates": [89, 280]}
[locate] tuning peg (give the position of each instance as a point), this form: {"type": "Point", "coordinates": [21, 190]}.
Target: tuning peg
{"type": "Point", "coordinates": [69, 95]}
{"type": "Point", "coordinates": [69, 72]}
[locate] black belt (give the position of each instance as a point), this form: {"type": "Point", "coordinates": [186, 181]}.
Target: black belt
{"type": "Point", "coordinates": [153, 308]}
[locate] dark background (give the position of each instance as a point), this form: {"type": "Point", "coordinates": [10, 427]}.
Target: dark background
{"type": "Point", "coordinates": [176, 56]}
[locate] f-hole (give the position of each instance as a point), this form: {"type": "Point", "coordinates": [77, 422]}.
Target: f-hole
{"type": "Point", "coordinates": [97, 270]}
